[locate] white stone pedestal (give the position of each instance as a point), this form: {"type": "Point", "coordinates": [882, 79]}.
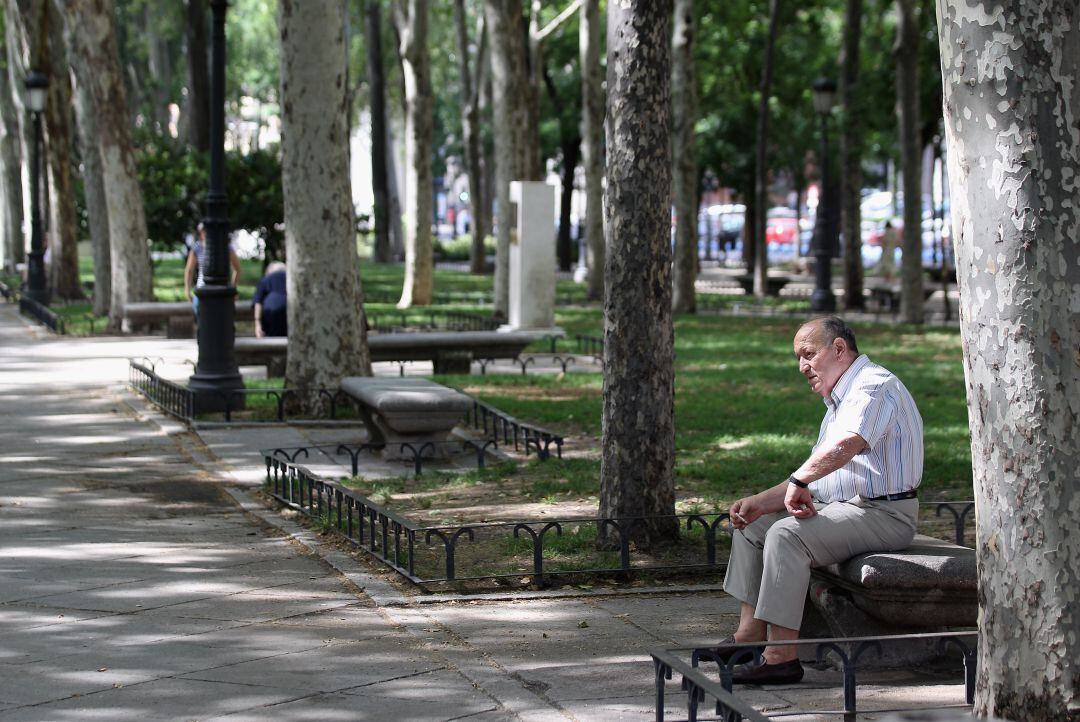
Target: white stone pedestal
{"type": "Point", "coordinates": [532, 256]}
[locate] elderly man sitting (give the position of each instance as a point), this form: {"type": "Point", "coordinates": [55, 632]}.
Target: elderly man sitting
{"type": "Point", "coordinates": [854, 494]}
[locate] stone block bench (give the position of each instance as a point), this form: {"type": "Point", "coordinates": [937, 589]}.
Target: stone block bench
{"type": "Point", "coordinates": [398, 411]}
{"type": "Point", "coordinates": [929, 587]}
{"type": "Point", "coordinates": [773, 284]}
{"type": "Point", "coordinates": [452, 352]}
{"type": "Point", "coordinates": [177, 317]}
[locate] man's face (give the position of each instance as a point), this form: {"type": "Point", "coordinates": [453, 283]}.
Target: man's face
{"type": "Point", "coordinates": [822, 364]}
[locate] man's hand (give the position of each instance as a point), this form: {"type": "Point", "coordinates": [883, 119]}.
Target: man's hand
{"type": "Point", "coordinates": [745, 512]}
{"type": "Point", "coordinates": [799, 503]}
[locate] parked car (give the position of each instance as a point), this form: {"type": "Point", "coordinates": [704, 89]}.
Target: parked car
{"type": "Point", "coordinates": [781, 226]}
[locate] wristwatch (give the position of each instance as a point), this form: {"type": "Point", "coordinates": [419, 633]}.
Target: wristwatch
{"type": "Point", "coordinates": [796, 482]}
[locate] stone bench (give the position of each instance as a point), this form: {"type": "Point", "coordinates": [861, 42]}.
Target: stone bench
{"type": "Point", "coordinates": [928, 587]}
{"type": "Point", "coordinates": [177, 317]}
{"type": "Point", "coordinates": [399, 411]}
{"type": "Point", "coordinates": [773, 284]}
{"type": "Point", "coordinates": [452, 352]}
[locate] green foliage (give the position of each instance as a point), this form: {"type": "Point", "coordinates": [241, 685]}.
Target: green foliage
{"type": "Point", "coordinates": [458, 249]}
{"type": "Point", "coordinates": [175, 181]}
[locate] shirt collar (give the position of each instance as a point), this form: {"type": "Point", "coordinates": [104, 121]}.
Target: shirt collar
{"type": "Point", "coordinates": [843, 384]}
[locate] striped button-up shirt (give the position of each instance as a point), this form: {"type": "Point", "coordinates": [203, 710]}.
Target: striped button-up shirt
{"type": "Point", "coordinates": [869, 401]}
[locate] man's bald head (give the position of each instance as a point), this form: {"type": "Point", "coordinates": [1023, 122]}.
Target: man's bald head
{"type": "Point", "coordinates": [826, 329]}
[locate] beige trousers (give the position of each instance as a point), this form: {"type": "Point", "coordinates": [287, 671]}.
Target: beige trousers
{"type": "Point", "coordinates": [770, 562]}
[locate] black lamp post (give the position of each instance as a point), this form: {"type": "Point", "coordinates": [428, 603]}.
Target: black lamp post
{"type": "Point", "coordinates": [37, 89]}
{"type": "Point", "coordinates": [822, 300]}
{"type": "Point", "coordinates": [216, 376]}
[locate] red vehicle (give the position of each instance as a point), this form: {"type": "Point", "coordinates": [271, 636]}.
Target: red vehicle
{"type": "Point", "coordinates": [781, 229]}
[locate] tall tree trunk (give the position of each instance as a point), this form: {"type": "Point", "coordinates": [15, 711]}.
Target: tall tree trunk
{"type": "Point", "coordinates": [198, 75]}
{"type": "Point", "coordinates": [470, 130]}
{"type": "Point", "coordinates": [906, 53]}
{"type": "Point", "coordinates": [571, 150]}
{"type": "Point", "coordinates": [63, 227]}
{"type": "Point", "coordinates": [14, 245]}
{"type": "Point", "coordinates": [92, 40]}
{"type": "Point", "coordinates": [94, 192]}
{"type": "Point", "coordinates": [761, 171]}
{"type": "Point", "coordinates": [517, 143]}
{"type": "Point", "coordinates": [1012, 98]}
{"type": "Point", "coordinates": [411, 20]}
{"type": "Point", "coordinates": [851, 150]}
{"type": "Point", "coordinates": [326, 316]}
{"type": "Point", "coordinates": [592, 139]}
{"type": "Point", "coordinates": [749, 245]}
{"type": "Point", "coordinates": [379, 137]}
{"type": "Point", "coordinates": [637, 468]}
{"type": "Point", "coordinates": [684, 175]}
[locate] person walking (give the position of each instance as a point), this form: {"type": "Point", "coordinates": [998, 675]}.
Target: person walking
{"type": "Point", "coordinates": [193, 269]}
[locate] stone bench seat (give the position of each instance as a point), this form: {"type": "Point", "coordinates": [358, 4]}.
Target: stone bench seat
{"type": "Point", "coordinates": [773, 284]}
{"type": "Point", "coordinates": [928, 587]}
{"type": "Point", "coordinates": [177, 317]}
{"type": "Point", "coordinates": [450, 351]}
{"type": "Point", "coordinates": [410, 410]}
{"type": "Point", "coordinates": [931, 583]}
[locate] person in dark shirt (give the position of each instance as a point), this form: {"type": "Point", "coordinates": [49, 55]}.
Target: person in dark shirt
{"type": "Point", "coordinates": [271, 309]}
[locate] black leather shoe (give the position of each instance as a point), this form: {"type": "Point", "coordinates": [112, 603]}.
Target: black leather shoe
{"type": "Point", "coordinates": [765, 673]}
{"type": "Point", "coordinates": [725, 651]}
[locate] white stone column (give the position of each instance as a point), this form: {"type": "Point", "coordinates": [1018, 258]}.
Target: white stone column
{"type": "Point", "coordinates": [532, 256]}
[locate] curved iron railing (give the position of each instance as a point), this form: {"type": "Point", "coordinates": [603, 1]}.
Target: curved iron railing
{"type": "Point", "coordinates": [699, 685]}
{"type": "Point", "coordinates": [435, 553]}
{"type": "Point", "coordinates": [507, 430]}
{"type": "Point", "coordinates": [41, 313]}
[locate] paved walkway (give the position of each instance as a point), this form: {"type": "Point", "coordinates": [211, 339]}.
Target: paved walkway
{"type": "Point", "coordinates": [133, 585]}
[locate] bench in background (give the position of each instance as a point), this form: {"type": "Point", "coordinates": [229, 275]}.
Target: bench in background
{"type": "Point", "coordinates": [176, 316]}
{"type": "Point", "coordinates": [406, 411]}
{"type": "Point", "coordinates": [452, 352]}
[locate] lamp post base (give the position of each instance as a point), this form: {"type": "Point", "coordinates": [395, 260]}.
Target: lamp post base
{"type": "Point", "coordinates": [822, 301]}
{"type": "Point", "coordinates": [217, 382]}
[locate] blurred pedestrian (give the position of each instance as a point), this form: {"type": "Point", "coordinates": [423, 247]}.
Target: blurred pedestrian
{"type": "Point", "coordinates": [271, 306]}
{"type": "Point", "coordinates": [193, 269]}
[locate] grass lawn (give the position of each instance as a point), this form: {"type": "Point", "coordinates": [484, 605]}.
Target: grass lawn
{"type": "Point", "coordinates": [745, 417]}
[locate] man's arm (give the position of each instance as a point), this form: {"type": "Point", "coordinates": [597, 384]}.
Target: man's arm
{"type": "Point", "coordinates": [234, 261]}
{"type": "Point", "coordinates": [827, 459]}
{"type": "Point", "coordinates": [188, 268]}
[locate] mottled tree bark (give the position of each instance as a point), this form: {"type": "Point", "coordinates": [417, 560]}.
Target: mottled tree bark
{"type": "Point", "coordinates": [198, 100]}
{"type": "Point", "coordinates": [906, 52]}
{"type": "Point", "coordinates": [517, 141]}
{"type": "Point", "coordinates": [94, 193]}
{"type": "Point", "coordinates": [377, 93]}
{"type": "Point", "coordinates": [851, 151]}
{"type": "Point", "coordinates": [326, 316]}
{"type": "Point", "coordinates": [684, 175]}
{"type": "Point", "coordinates": [411, 21]}
{"type": "Point", "coordinates": [90, 28]}
{"type": "Point", "coordinates": [592, 139]}
{"type": "Point", "coordinates": [63, 227]}
{"type": "Point", "coordinates": [761, 172]}
{"type": "Point", "coordinates": [637, 468]}
{"type": "Point", "coordinates": [1012, 104]}
{"type": "Point", "coordinates": [479, 203]}
{"type": "Point", "coordinates": [13, 249]}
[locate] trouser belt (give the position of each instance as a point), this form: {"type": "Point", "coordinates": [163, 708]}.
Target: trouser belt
{"type": "Point", "coordinates": [912, 494]}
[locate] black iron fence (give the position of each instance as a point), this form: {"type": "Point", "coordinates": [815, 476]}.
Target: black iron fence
{"type": "Point", "coordinates": [537, 549]}
{"type": "Point", "coordinates": [506, 430]}
{"type": "Point", "coordinates": [169, 396]}
{"type": "Point", "coordinates": [699, 685]}
{"type": "Point", "coordinates": [41, 313]}
{"type": "Point", "coordinates": [590, 346]}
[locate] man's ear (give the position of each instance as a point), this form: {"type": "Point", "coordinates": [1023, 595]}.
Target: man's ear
{"type": "Point", "coordinates": [839, 346]}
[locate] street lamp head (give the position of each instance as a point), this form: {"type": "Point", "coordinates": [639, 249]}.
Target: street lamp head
{"type": "Point", "coordinates": [824, 95]}
{"type": "Point", "coordinates": [37, 88]}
